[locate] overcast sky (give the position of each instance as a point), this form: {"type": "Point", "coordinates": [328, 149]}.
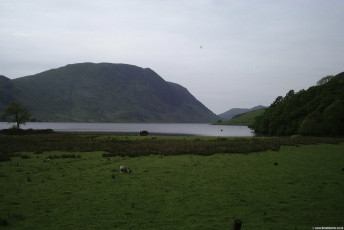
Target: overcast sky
{"type": "Point", "coordinates": [228, 54]}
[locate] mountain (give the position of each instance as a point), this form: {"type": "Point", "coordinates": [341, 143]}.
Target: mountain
{"type": "Point", "coordinates": [103, 92]}
{"type": "Point", "coordinates": [317, 111]}
{"type": "Point", "coordinates": [235, 111]}
{"type": "Point", "coordinates": [246, 119]}
{"type": "Point", "coordinates": [6, 89]}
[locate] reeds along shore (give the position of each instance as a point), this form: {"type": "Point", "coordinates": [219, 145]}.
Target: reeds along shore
{"type": "Point", "coordinates": [132, 146]}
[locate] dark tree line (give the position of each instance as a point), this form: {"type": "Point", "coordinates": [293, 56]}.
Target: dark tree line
{"type": "Point", "coordinates": [317, 111]}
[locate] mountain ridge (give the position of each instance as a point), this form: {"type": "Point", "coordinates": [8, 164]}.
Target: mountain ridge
{"type": "Point", "coordinates": [228, 115]}
{"type": "Point", "coordinates": [105, 92]}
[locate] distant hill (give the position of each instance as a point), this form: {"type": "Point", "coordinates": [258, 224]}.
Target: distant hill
{"type": "Point", "coordinates": [103, 92]}
{"type": "Point", "coordinates": [6, 93]}
{"type": "Point", "coordinates": [245, 119]}
{"type": "Point", "coordinates": [317, 111]}
{"type": "Point", "coordinates": [235, 111]}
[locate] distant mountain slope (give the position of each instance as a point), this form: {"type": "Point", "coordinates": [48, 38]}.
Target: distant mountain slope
{"type": "Point", "coordinates": [245, 119]}
{"type": "Point", "coordinates": [104, 92]}
{"type": "Point", "coordinates": [235, 111]}
{"type": "Point", "coordinates": [6, 92]}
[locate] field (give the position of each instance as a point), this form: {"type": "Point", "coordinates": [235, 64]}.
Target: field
{"type": "Point", "coordinates": [80, 189]}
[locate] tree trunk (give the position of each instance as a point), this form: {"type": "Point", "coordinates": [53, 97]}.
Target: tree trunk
{"type": "Point", "coordinates": [18, 123]}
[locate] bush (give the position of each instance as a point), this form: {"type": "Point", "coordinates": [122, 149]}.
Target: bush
{"type": "Point", "coordinates": [108, 154]}
{"type": "Point", "coordinates": [15, 131]}
{"type": "Point", "coordinates": [144, 133]}
{"type": "Point", "coordinates": [64, 156]}
{"type": "Point", "coordinates": [25, 157]}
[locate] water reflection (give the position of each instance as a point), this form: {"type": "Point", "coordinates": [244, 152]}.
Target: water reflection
{"type": "Point", "coordinates": [152, 128]}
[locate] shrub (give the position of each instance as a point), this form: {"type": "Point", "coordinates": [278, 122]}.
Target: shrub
{"type": "Point", "coordinates": [108, 154]}
{"type": "Point", "coordinates": [64, 156]}
{"type": "Point", "coordinates": [144, 133]}
{"type": "Point", "coordinates": [15, 131]}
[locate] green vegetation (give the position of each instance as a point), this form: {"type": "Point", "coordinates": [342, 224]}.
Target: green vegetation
{"type": "Point", "coordinates": [316, 111]}
{"type": "Point", "coordinates": [103, 92]}
{"type": "Point", "coordinates": [325, 80]}
{"type": "Point", "coordinates": [245, 119]}
{"type": "Point", "coordinates": [72, 181]}
{"type": "Point", "coordinates": [16, 113]}
{"type": "Point", "coordinates": [184, 191]}
{"type": "Point", "coordinates": [134, 146]}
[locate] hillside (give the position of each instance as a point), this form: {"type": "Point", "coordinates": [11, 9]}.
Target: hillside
{"type": "Point", "coordinates": [245, 119]}
{"type": "Point", "coordinates": [316, 111]}
{"type": "Point", "coordinates": [104, 92]}
{"type": "Point", "coordinates": [235, 111]}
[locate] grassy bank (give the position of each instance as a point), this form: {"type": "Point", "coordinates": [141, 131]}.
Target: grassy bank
{"type": "Point", "coordinates": [185, 191]}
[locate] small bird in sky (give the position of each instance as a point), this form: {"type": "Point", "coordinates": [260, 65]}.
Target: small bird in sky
{"type": "Point", "coordinates": [201, 47]}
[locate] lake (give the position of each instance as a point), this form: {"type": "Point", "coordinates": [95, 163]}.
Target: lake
{"type": "Point", "coordinates": [191, 129]}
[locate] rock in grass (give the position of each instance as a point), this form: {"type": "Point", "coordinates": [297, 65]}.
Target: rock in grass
{"type": "Point", "coordinates": [124, 169]}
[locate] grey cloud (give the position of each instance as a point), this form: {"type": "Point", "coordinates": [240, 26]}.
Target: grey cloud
{"type": "Point", "coordinates": [251, 52]}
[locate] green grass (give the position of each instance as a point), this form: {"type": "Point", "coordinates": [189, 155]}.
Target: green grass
{"type": "Point", "coordinates": [187, 191]}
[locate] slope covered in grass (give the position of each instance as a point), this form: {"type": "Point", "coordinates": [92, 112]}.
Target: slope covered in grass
{"type": "Point", "coordinates": [103, 92]}
{"type": "Point", "coordinates": [245, 119]}
{"type": "Point", "coordinates": [228, 115]}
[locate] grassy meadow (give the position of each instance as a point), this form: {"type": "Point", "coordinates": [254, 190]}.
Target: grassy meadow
{"type": "Point", "coordinates": [80, 189]}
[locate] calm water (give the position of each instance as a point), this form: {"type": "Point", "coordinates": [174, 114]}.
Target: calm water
{"type": "Point", "coordinates": [152, 128]}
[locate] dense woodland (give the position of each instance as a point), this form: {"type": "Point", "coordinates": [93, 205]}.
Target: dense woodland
{"type": "Point", "coordinates": [317, 111]}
